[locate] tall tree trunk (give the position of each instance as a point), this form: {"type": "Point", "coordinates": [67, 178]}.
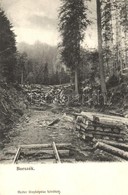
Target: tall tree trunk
{"type": "Point", "coordinates": [126, 34]}
{"type": "Point", "coordinates": [76, 81]}
{"type": "Point", "coordinates": [22, 76]}
{"type": "Point", "coordinates": [102, 77]}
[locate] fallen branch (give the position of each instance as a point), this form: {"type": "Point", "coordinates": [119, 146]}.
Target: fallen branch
{"type": "Point", "coordinates": [68, 118]}
{"type": "Point", "coordinates": [54, 122]}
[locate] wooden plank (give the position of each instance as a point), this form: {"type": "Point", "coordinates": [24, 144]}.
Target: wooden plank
{"type": "Point", "coordinates": [106, 117]}
{"type": "Point", "coordinates": [112, 150]}
{"type": "Point", "coordinates": [17, 155]}
{"type": "Point", "coordinates": [56, 153]}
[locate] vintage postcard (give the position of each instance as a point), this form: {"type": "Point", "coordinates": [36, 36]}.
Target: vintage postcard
{"type": "Point", "coordinates": [63, 97]}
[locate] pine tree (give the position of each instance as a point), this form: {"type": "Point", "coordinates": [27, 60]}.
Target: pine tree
{"type": "Point", "coordinates": [72, 25]}
{"type": "Point", "coordinates": [7, 48]}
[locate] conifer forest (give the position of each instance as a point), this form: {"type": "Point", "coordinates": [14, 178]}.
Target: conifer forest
{"type": "Point", "coordinates": [64, 81]}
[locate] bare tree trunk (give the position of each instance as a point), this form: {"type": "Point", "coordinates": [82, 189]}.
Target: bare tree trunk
{"type": "Point", "coordinates": [102, 77]}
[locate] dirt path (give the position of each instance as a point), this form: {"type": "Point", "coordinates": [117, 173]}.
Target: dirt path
{"type": "Point", "coordinates": [33, 129]}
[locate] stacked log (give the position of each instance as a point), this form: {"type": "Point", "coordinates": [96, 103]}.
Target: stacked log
{"type": "Point", "coordinates": [100, 126]}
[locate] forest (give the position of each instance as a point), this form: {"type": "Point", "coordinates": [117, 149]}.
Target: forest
{"type": "Point", "coordinates": [41, 63]}
{"type": "Point", "coordinates": [68, 81]}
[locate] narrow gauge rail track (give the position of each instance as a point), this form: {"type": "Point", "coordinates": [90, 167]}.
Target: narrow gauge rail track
{"type": "Point", "coordinates": [56, 151]}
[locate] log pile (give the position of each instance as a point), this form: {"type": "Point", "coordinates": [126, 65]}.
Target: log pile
{"type": "Point", "coordinates": [40, 94]}
{"type": "Point", "coordinates": [91, 125]}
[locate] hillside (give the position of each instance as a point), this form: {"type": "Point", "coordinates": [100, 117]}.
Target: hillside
{"type": "Point", "coordinates": [12, 107]}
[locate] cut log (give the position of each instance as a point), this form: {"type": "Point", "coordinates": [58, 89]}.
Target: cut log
{"type": "Point", "coordinates": [59, 146]}
{"type": "Point", "coordinates": [68, 160]}
{"type": "Point", "coordinates": [104, 118]}
{"type": "Point", "coordinates": [43, 152]}
{"type": "Point", "coordinates": [105, 156]}
{"type": "Point", "coordinates": [112, 150]}
{"type": "Point", "coordinates": [116, 114]}
{"type": "Point", "coordinates": [115, 144]}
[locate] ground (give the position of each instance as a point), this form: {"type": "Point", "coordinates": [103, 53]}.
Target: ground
{"type": "Point", "coordinates": [33, 128]}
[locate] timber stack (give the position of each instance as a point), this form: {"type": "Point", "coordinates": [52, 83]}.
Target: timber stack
{"type": "Point", "coordinates": [91, 125]}
{"type": "Point", "coordinates": [40, 95]}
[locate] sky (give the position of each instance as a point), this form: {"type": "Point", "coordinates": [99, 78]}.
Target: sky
{"type": "Point", "coordinates": [36, 20]}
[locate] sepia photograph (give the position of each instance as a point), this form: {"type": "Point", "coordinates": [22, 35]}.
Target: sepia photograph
{"type": "Point", "coordinates": [63, 81]}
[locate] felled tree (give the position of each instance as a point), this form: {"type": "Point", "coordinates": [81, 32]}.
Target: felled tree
{"type": "Point", "coordinates": [72, 25]}
{"type": "Point", "coordinates": [7, 48]}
